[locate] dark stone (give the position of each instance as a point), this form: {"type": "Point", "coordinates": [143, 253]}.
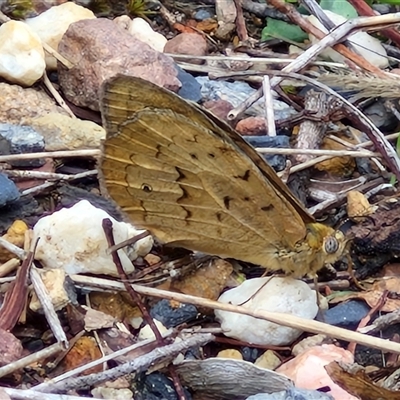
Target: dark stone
{"type": "Point", "coordinates": [368, 356]}
{"type": "Point", "coordinates": [26, 208]}
{"type": "Point", "coordinates": [250, 353]}
{"type": "Point", "coordinates": [347, 314]}
{"type": "Point", "coordinates": [69, 195]}
{"type": "Point", "coordinates": [171, 317]}
{"type": "Point", "coordinates": [190, 89]}
{"type": "Point", "coordinates": [156, 386]}
{"type": "Point", "coordinates": [277, 162]}
{"type": "Point", "coordinates": [8, 191]}
{"type": "Point", "coordinates": [381, 116]}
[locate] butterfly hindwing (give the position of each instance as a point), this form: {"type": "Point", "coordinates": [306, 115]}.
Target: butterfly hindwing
{"type": "Point", "coordinates": [176, 173]}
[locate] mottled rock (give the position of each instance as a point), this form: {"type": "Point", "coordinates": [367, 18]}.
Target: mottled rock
{"type": "Point", "coordinates": [100, 49]}
{"type": "Point", "coordinates": [226, 15]}
{"type": "Point", "coordinates": [18, 105]}
{"type": "Point", "coordinates": [237, 92]}
{"type": "Point", "coordinates": [61, 132]}
{"type": "Point", "coordinates": [293, 393]}
{"type": "Point", "coordinates": [202, 14]}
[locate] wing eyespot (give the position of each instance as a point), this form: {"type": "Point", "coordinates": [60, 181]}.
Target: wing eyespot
{"type": "Point", "coordinates": [146, 188]}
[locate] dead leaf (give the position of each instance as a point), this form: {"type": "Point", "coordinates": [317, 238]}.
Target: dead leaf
{"type": "Point", "coordinates": [358, 384]}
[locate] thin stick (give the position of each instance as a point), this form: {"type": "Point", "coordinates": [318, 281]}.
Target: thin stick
{"type": "Point", "coordinates": [140, 345]}
{"type": "Point", "coordinates": [48, 308]}
{"type": "Point", "coordinates": [67, 64]}
{"type": "Point", "coordinates": [256, 60]}
{"type": "Point", "coordinates": [279, 318]}
{"type": "Point", "coordinates": [139, 364]}
{"type": "Point", "coordinates": [374, 134]}
{"type": "Point", "coordinates": [31, 359]}
{"type": "Point", "coordinates": [269, 106]}
{"type": "Point", "coordinates": [9, 266]}
{"type": "Point", "coordinates": [50, 154]}
{"type": "Point", "coordinates": [12, 248]}
{"type": "Point", "coordinates": [318, 152]}
{"type": "Point", "coordinates": [107, 227]}
{"type": "Point", "coordinates": [57, 96]}
{"type": "Point", "coordinates": [338, 34]}
{"type": "Point", "coordinates": [26, 174]}
{"type": "Point", "coordinates": [240, 22]}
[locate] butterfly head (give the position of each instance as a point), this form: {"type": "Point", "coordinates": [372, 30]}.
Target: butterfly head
{"type": "Point", "coordinates": [329, 243]}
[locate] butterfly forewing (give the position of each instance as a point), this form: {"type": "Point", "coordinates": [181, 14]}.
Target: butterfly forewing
{"type": "Point", "coordinates": [122, 96]}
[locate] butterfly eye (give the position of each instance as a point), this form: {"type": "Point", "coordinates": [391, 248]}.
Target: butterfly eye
{"type": "Point", "coordinates": [331, 245]}
{"type": "Point", "coordinates": [146, 188]}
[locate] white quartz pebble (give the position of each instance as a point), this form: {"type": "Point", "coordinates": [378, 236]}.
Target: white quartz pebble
{"type": "Point", "coordinates": [73, 239]}
{"type": "Point", "coordinates": [21, 54]}
{"type": "Point", "coordinates": [141, 30]}
{"type": "Point", "coordinates": [277, 294]}
{"type": "Point", "coordinates": [53, 23]}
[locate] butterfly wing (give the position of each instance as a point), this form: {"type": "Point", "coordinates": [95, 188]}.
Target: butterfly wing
{"type": "Point", "coordinates": [190, 181]}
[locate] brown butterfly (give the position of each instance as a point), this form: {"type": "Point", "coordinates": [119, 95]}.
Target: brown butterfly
{"type": "Point", "coordinates": [191, 180]}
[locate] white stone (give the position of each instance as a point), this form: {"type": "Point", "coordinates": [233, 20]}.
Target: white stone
{"type": "Point", "coordinates": [21, 54]}
{"type": "Point", "coordinates": [73, 239]}
{"type": "Point", "coordinates": [53, 23]}
{"type": "Point", "coordinates": [281, 295]}
{"type": "Point", "coordinates": [61, 132]}
{"type": "Point", "coordinates": [112, 393]}
{"type": "Point", "coordinates": [147, 333]}
{"type": "Point", "coordinates": [365, 45]}
{"type": "Point", "coordinates": [141, 30]}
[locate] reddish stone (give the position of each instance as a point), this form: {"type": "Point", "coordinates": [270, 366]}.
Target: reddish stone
{"type": "Point", "coordinates": [191, 44]}
{"type": "Point", "coordinates": [99, 49]}
{"type": "Point", "coordinates": [252, 126]}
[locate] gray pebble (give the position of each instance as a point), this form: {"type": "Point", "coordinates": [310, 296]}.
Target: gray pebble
{"type": "Point", "coordinates": [203, 14]}
{"type": "Point", "coordinates": [237, 92]}
{"type": "Point", "coordinates": [17, 139]}
{"type": "Point", "coordinates": [292, 394]}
